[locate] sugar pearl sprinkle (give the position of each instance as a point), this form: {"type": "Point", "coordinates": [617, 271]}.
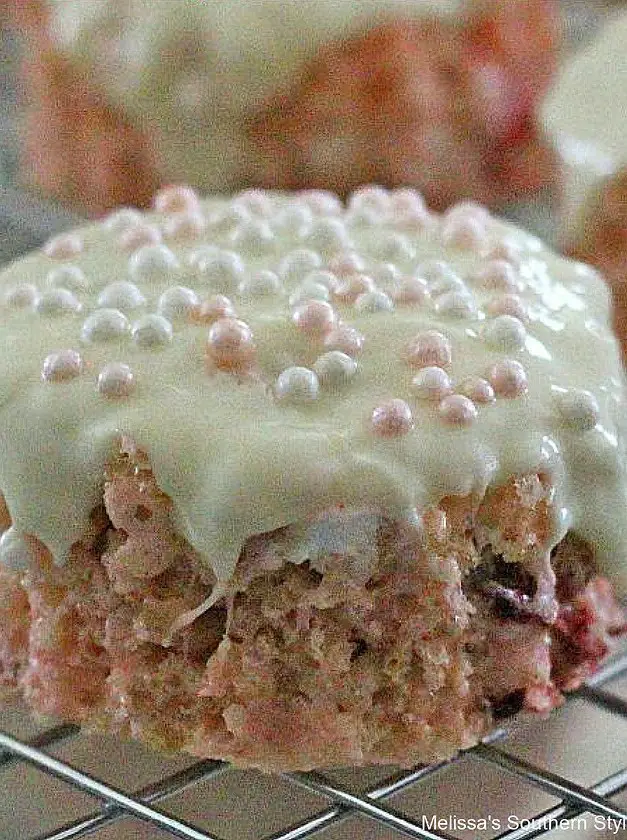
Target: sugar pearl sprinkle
{"type": "Point", "coordinates": [62, 366]}
{"type": "Point", "coordinates": [457, 410]}
{"type": "Point", "coordinates": [116, 380]}
{"type": "Point", "coordinates": [430, 348]}
{"type": "Point", "coordinates": [578, 408]}
{"type": "Point", "coordinates": [508, 378]}
{"type": "Point", "coordinates": [152, 330]}
{"type": "Point", "coordinates": [392, 419]}
{"type": "Point", "coordinates": [297, 385]}
{"type": "Point", "coordinates": [417, 342]}
{"type": "Point", "coordinates": [431, 383]}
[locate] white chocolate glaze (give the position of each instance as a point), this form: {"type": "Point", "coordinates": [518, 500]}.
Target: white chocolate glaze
{"type": "Point", "coordinates": [584, 114]}
{"type": "Point", "coordinates": [186, 68]}
{"type": "Point", "coordinates": [249, 420]}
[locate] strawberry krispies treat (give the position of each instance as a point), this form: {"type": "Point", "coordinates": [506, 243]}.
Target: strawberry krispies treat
{"type": "Point", "coordinates": [295, 483]}
{"type": "Point", "coordinates": [120, 97]}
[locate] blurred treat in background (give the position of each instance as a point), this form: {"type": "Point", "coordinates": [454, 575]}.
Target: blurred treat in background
{"type": "Point", "coordinates": [123, 95]}
{"type": "Point", "coordinates": [585, 115]}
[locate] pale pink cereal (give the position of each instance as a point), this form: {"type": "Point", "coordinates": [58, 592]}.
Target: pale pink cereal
{"type": "Point", "coordinates": [346, 263]}
{"type": "Point", "coordinates": [176, 198]}
{"type": "Point", "coordinates": [508, 378]}
{"type": "Point", "coordinates": [392, 419]}
{"type": "Point", "coordinates": [345, 338]}
{"type": "Point", "coordinates": [315, 317]}
{"type": "Point", "coordinates": [116, 380]}
{"type": "Point", "coordinates": [186, 225]}
{"type": "Point", "coordinates": [135, 237]}
{"type": "Point", "coordinates": [477, 389]}
{"type": "Point", "coordinates": [457, 410]}
{"type": "Point", "coordinates": [62, 366]}
{"type": "Point", "coordinates": [230, 344]}
{"type": "Point", "coordinates": [430, 348]}
{"type": "Point", "coordinates": [64, 246]}
{"type": "Point", "coordinates": [214, 308]}
{"type": "Point", "coordinates": [498, 274]}
{"type": "Point", "coordinates": [411, 290]}
{"type": "Point", "coordinates": [353, 286]}
{"type": "Point", "coordinates": [512, 305]}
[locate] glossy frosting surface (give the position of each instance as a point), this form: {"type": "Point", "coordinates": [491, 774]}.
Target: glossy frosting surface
{"type": "Point", "coordinates": [463, 352]}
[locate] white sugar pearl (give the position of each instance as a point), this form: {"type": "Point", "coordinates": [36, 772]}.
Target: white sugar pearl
{"type": "Point", "coordinates": [121, 295]}
{"type": "Point", "coordinates": [345, 338]}
{"type": "Point", "coordinates": [57, 302]}
{"type": "Point", "coordinates": [105, 325]}
{"type": "Point", "coordinates": [455, 305]}
{"type": "Point", "coordinates": [309, 290]}
{"type": "Point", "coordinates": [433, 270]}
{"type": "Point", "coordinates": [447, 283]}
{"type": "Point", "coordinates": [185, 226]}
{"type": "Point", "coordinates": [139, 236]}
{"type": "Point", "coordinates": [372, 197]}
{"type": "Point", "coordinates": [228, 218]}
{"type": "Point", "coordinates": [152, 331]}
{"type": "Point", "coordinates": [298, 264]}
{"type": "Point", "coordinates": [64, 246]}
{"type": "Point", "coordinates": [477, 389]}
{"type": "Point", "coordinates": [328, 279]}
{"type": "Point", "coordinates": [20, 296]}
{"type": "Point", "coordinates": [386, 273]}
{"type": "Point", "coordinates": [431, 383]}
{"type": "Point", "coordinates": [328, 235]}
{"type": "Point", "coordinates": [178, 302]}
{"type": "Point", "coordinates": [200, 254]}
{"type": "Point", "coordinates": [223, 271]}
{"type": "Point", "coordinates": [397, 248]}
{"type": "Point", "coordinates": [61, 366]}
{"type": "Point", "coordinates": [578, 408]}
{"type": "Point", "coordinates": [262, 283]}
{"type": "Point", "coordinates": [254, 236]}
{"type": "Point", "coordinates": [294, 221]}
{"type": "Point", "coordinates": [259, 202]}
{"type": "Point", "coordinates": [375, 301]}
{"type": "Point", "coordinates": [321, 202]}
{"type": "Point", "coordinates": [505, 333]}
{"type": "Point", "coordinates": [119, 221]}
{"type": "Point", "coordinates": [67, 277]}
{"type": "Point", "coordinates": [457, 410]}
{"type": "Point", "coordinates": [335, 369]}
{"type": "Point", "coordinates": [153, 262]}
{"type": "Point", "coordinates": [15, 552]}
{"type": "Point", "coordinates": [116, 380]}
{"type": "Point", "coordinates": [297, 384]}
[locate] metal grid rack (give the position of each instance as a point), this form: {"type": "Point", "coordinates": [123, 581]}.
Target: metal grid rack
{"type": "Point", "coordinates": [116, 804]}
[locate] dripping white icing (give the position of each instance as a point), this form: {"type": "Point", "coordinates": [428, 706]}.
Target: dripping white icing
{"type": "Point", "coordinates": [237, 460]}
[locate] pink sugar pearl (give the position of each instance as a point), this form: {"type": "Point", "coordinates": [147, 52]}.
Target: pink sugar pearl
{"type": "Point", "coordinates": [498, 274]}
{"type": "Point", "coordinates": [315, 317]}
{"type": "Point", "coordinates": [62, 366]}
{"type": "Point", "coordinates": [457, 410]}
{"type": "Point", "coordinates": [176, 198]}
{"type": "Point", "coordinates": [230, 344]}
{"type": "Point", "coordinates": [512, 305]}
{"type": "Point", "coordinates": [186, 226]}
{"type": "Point", "coordinates": [346, 263]}
{"type": "Point", "coordinates": [477, 389]}
{"type": "Point", "coordinates": [411, 290]}
{"type": "Point", "coordinates": [353, 286]}
{"type": "Point", "coordinates": [465, 232]}
{"type": "Point", "coordinates": [345, 338]}
{"type": "Point", "coordinates": [430, 348]}
{"type": "Point", "coordinates": [137, 236]}
{"type": "Point", "coordinates": [64, 246]}
{"type": "Point", "coordinates": [214, 308]}
{"type": "Point", "coordinates": [392, 419]}
{"type": "Point", "coordinates": [508, 378]}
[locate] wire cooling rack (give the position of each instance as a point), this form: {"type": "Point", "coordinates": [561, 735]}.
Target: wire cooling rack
{"type": "Point", "coordinates": [332, 802]}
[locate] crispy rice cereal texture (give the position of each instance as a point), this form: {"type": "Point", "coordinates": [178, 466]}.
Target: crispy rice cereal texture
{"type": "Point", "coordinates": [316, 94]}
{"type": "Point", "coordinates": [297, 484]}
